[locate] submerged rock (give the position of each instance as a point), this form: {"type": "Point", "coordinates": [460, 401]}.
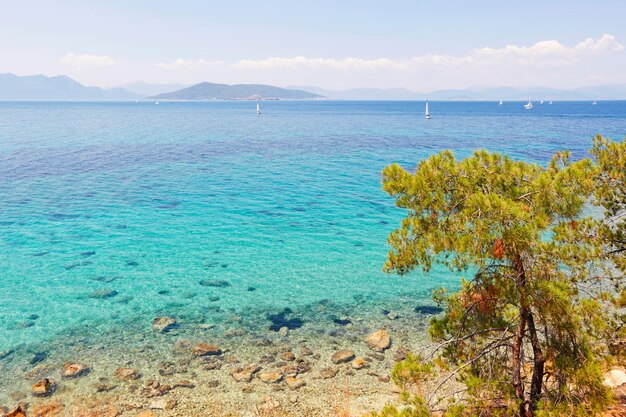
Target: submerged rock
{"type": "Point", "coordinates": [205, 349]}
{"type": "Point", "coordinates": [5, 353]}
{"type": "Point", "coordinates": [379, 340]}
{"type": "Point", "coordinates": [74, 370]}
{"type": "Point", "coordinates": [392, 315]}
{"type": "Point", "coordinates": [271, 377]}
{"type": "Point", "coordinates": [21, 325]}
{"type": "Point", "coordinates": [342, 356]}
{"type": "Point", "coordinates": [305, 351]}
{"type": "Point", "coordinates": [359, 363]}
{"type": "Point", "coordinates": [163, 324]}
{"type": "Point", "coordinates": [245, 374]}
{"type": "Point", "coordinates": [18, 411]}
{"type": "Point", "coordinates": [155, 389]}
{"type": "Point", "coordinates": [44, 387]}
{"type": "Point", "coordinates": [127, 374]}
{"type": "Point", "coordinates": [163, 404]}
{"type": "Point", "coordinates": [428, 310]}
{"type": "Point", "coordinates": [294, 383]}
{"type": "Point", "coordinates": [103, 293]}
{"type": "Point", "coordinates": [288, 356]}
{"type": "Point", "coordinates": [217, 283]}
{"type": "Point", "coordinates": [328, 373]}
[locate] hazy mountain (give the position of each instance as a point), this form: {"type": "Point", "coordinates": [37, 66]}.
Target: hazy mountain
{"type": "Point", "coordinates": [147, 89]}
{"type": "Point", "coordinates": [601, 92]}
{"type": "Point", "coordinates": [364, 93]}
{"type": "Point", "coordinates": [41, 87]}
{"type": "Point", "coordinates": [211, 91]}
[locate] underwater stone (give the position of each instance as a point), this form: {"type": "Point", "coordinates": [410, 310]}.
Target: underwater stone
{"type": "Point", "coordinates": [305, 351]}
{"type": "Point", "coordinates": [127, 374]}
{"type": "Point", "coordinates": [205, 349]}
{"type": "Point", "coordinates": [379, 340]}
{"type": "Point", "coordinates": [342, 356]}
{"type": "Point", "coordinates": [217, 283]}
{"type": "Point", "coordinates": [18, 411]}
{"type": "Point", "coordinates": [271, 377]}
{"type": "Point", "coordinates": [359, 363]}
{"type": "Point", "coordinates": [39, 357]}
{"type": "Point", "coordinates": [163, 324]}
{"type": "Point", "coordinates": [392, 315]}
{"type": "Point", "coordinates": [103, 293]}
{"type": "Point", "coordinates": [428, 309]}
{"type": "Point", "coordinates": [163, 404]}
{"type": "Point", "coordinates": [328, 373]}
{"type": "Point", "coordinates": [245, 374]}
{"type": "Point", "coordinates": [74, 370]}
{"type": "Point", "coordinates": [293, 383]}
{"type": "Point", "coordinates": [43, 387]}
{"type": "Point", "coordinates": [5, 353]}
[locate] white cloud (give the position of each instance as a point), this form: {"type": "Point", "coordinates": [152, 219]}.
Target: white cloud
{"type": "Point", "coordinates": [543, 52]}
{"type": "Point", "coordinates": [87, 60]}
{"type": "Point", "coordinates": [188, 64]}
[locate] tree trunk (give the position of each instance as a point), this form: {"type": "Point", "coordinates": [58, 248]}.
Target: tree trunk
{"type": "Point", "coordinates": [516, 377]}
{"type": "Point", "coordinates": [536, 385]}
{"type": "Point", "coordinates": [518, 344]}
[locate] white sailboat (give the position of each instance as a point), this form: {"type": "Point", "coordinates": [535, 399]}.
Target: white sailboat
{"type": "Point", "coordinates": [258, 108]}
{"type": "Point", "coordinates": [427, 113]}
{"type": "Point", "coordinates": [541, 102]}
{"type": "Point", "coordinates": [528, 105]}
{"type": "Point", "coordinates": [500, 103]}
{"type": "Point", "coordinates": [550, 102]}
{"type": "Point", "coordinates": [594, 103]}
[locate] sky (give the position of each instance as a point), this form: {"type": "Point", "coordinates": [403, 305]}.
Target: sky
{"type": "Point", "coordinates": [340, 44]}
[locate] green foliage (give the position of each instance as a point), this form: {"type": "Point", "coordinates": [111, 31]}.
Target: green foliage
{"type": "Point", "coordinates": [412, 407]}
{"type": "Point", "coordinates": [411, 371]}
{"type": "Point", "coordinates": [527, 335]}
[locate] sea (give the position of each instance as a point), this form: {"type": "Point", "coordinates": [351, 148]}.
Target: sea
{"type": "Point", "coordinates": [112, 214]}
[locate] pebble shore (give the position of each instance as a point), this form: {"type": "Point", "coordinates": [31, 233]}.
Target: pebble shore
{"type": "Point", "coordinates": [170, 367]}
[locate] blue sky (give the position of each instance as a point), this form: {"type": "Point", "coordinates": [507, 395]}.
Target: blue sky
{"type": "Point", "coordinates": [333, 44]}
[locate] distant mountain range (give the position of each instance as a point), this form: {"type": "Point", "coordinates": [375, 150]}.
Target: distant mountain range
{"type": "Point", "coordinates": [211, 91]}
{"type": "Point", "coordinates": [363, 93]}
{"type": "Point", "coordinates": [601, 92]}
{"type": "Point", "coordinates": [146, 89]}
{"type": "Point", "coordinates": [40, 87]}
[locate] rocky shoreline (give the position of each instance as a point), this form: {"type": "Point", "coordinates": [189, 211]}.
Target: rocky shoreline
{"type": "Point", "coordinates": [174, 368]}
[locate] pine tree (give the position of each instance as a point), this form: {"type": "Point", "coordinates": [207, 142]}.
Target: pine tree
{"type": "Point", "coordinates": [528, 333]}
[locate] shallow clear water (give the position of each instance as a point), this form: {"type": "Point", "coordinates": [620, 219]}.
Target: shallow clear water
{"type": "Point", "coordinates": [149, 200]}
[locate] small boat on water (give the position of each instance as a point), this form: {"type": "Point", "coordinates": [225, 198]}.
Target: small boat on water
{"type": "Point", "coordinates": [500, 103]}
{"type": "Point", "coordinates": [541, 102]}
{"type": "Point", "coordinates": [550, 102]}
{"type": "Point", "coordinates": [529, 105]}
{"type": "Point", "coordinates": [156, 102]}
{"type": "Point", "coordinates": [258, 108]}
{"type": "Point", "coordinates": [594, 103]}
{"type": "Point", "coordinates": [427, 113]}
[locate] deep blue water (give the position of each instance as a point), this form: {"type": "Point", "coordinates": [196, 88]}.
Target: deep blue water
{"type": "Point", "coordinates": [148, 200]}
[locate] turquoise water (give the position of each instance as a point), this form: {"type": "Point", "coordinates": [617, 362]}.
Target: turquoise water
{"type": "Point", "coordinates": [147, 201]}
